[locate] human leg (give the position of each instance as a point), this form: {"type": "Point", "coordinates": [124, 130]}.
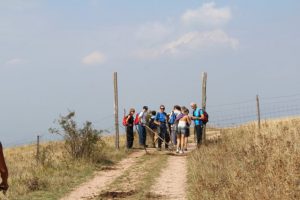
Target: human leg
{"type": "Point", "coordinates": [144, 133]}
{"type": "Point", "coordinates": [165, 135]}
{"type": "Point", "coordinates": [174, 135]}
{"type": "Point", "coordinates": [199, 134]}
{"type": "Point", "coordinates": [187, 134]}
{"type": "Point", "coordinates": [130, 138]}
{"type": "Point", "coordinates": [178, 137]}
{"type": "Point", "coordinates": [140, 133]}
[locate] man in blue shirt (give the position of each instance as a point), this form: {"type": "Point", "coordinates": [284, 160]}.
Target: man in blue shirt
{"type": "Point", "coordinates": [161, 121]}
{"type": "Point", "coordinates": [197, 117]}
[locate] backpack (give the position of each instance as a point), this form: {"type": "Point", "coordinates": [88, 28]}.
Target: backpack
{"type": "Point", "coordinates": [205, 120]}
{"type": "Point", "coordinates": [152, 125]}
{"type": "Point", "coordinates": [124, 121]}
{"type": "Point", "coordinates": [136, 119]}
{"type": "Point", "coordinates": [172, 118]}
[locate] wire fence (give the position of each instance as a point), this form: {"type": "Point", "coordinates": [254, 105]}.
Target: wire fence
{"type": "Point", "coordinates": [230, 115]}
{"type": "Point", "coordinates": [220, 116]}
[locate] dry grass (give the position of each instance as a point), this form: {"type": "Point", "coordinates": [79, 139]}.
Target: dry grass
{"type": "Point", "coordinates": [56, 173]}
{"type": "Point", "coordinates": [246, 164]}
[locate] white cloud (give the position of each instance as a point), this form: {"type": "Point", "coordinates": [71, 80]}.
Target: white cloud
{"type": "Point", "coordinates": [94, 58]}
{"type": "Point", "coordinates": [192, 41]}
{"type": "Point", "coordinates": [152, 31]}
{"type": "Point", "coordinates": [15, 61]}
{"type": "Point", "coordinates": [207, 14]}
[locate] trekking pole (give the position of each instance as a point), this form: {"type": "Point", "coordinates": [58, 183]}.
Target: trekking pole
{"type": "Point", "coordinates": [170, 136]}
{"type": "Point", "coordinates": [158, 137]}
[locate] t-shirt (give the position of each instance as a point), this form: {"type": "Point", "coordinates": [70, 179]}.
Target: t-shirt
{"type": "Point", "coordinates": [130, 121]}
{"type": "Point", "coordinates": [142, 116]}
{"type": "Point", "coordinates": [161, 117]}
{"type": "Point", "coordinates": [197, 113]}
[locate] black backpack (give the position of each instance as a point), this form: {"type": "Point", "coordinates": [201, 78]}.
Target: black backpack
{"type": "Point", "coordinates": [152, 125]}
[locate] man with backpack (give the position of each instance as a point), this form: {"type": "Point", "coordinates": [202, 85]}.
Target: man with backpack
{"type": "Point", "coordinates": [161, 120]}
{"type": "Point", "coordinates": [173, 123]}
{"type": "Point", "coordinates": [142, 126]}
{"type": "Point", "coordinates": [198, 116]}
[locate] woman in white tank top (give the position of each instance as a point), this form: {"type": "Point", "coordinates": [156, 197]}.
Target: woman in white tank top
{"type": "Point", "coordinates": [184, 119]}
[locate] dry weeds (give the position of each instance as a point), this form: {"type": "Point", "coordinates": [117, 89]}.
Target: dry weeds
{"type": "Point", "coordinates": [249, 164]}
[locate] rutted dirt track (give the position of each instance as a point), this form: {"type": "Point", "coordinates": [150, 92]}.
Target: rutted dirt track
{"type": "Point", "coordinates": [93, 187]}
{"type": "Point", "coordinates": [171, 183]}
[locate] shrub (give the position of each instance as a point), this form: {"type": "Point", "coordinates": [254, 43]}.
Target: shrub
{"type": "Point", "coordinates": [79, 142]}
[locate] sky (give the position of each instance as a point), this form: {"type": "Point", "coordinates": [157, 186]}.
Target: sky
{"type": "Point", "coordinates": [59, 56]}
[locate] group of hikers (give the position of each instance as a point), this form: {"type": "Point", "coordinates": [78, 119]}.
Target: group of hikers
{"type": "Point", "coordinates": [173, 127]}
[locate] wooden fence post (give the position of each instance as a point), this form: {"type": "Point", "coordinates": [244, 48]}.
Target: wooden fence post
{"type": "Point", "coordinates": [258, 111]}
{"type": "Point", "coordinates": [204, 80]}
{"type": "Point", "coordinates": [116, 110]}
{"type": "Point", "coordinates": [38, 149]}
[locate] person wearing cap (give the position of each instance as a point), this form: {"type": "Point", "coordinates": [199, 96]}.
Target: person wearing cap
{"type": "Point", "coordinates": [198, 115]}
{"type": "Point", "coordinates": [161, 120]}
{"type": "Point", "coordinates": [142, 126]}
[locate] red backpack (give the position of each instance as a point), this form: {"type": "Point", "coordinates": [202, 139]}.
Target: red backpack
{"type": "Point", "coordinates": [124, 121]}
{"type": "Point", "coordinates": [205, 120]}
{"type": "Point", "coordinates": [136, 119]}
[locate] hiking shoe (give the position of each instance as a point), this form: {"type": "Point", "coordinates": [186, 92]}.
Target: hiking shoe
{"type": "Point", "coordinates": [177, 150]}
{"type": "Point", "coordinates": [185, 149]}
{"type": "Point", "coordinates": [181, 151]}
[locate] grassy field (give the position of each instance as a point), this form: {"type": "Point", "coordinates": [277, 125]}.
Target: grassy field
{"type": "Point", "coordinates": [249, 164]}
{"type": "Point", "coordinates": [56, 173]}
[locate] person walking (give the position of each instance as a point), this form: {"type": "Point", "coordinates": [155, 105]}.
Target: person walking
{"type": "Point", "coordinates": [198, 115]}
{"type": "Point", "coordinates": [4, 172]}
{"type": "Point", "coordinates": [129, 128]}
{"type": "Point", "coordinates": [142, 127]}
{"type": "Point", "coordinates": [161, 120]}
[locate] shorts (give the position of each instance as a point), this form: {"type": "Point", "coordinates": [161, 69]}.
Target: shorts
{"type": "Point", "coordinates": [181, 130]}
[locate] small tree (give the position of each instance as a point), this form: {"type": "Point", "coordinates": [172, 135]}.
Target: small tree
{"type": "Point", "coordinates": [79, 142]}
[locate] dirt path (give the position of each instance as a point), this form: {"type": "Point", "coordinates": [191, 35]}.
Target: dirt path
{"type": "Point", "coordinates": [172, 183]}
{"type": "Point", "coordinates": [92, 188]}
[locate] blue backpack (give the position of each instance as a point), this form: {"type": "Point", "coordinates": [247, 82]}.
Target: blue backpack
{"type": "Point", "coordinates": [172, 118]}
